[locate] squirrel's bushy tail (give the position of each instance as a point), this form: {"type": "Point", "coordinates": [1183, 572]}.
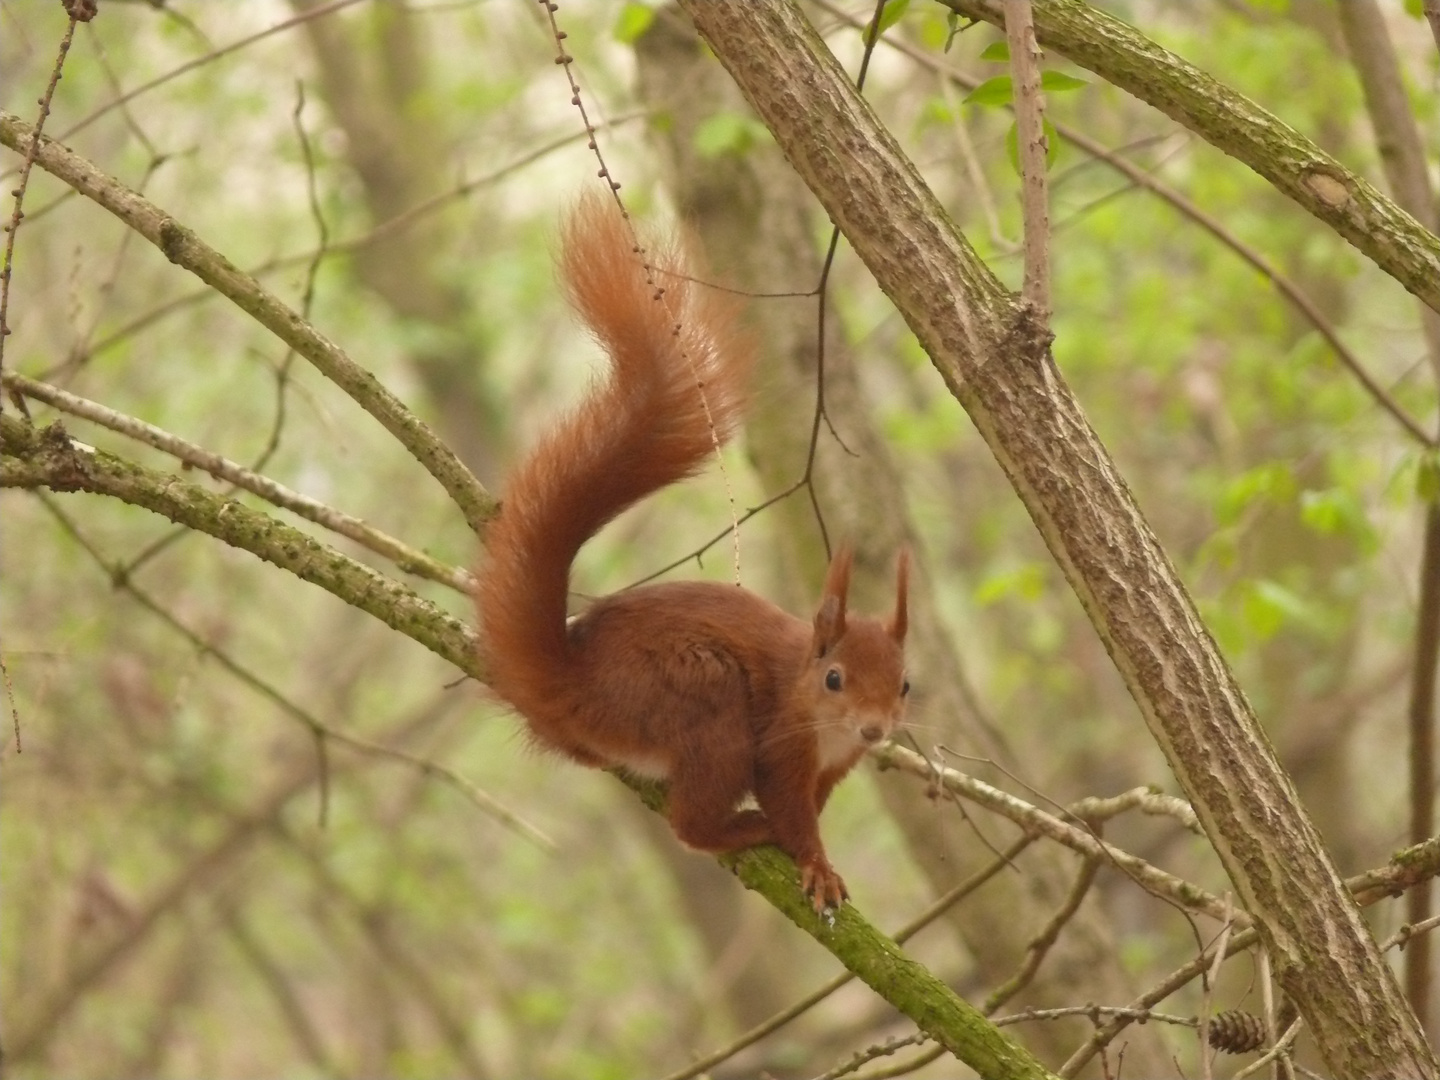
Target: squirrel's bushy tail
{"type": "Point", "coordinates": [642, 426]}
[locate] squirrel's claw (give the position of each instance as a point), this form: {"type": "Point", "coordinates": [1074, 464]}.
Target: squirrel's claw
{"type": "Point", "coordinates": [820, 882]}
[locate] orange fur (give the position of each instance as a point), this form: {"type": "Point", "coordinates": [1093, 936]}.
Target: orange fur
{"type": "Point", "coordinates": [705, 685]}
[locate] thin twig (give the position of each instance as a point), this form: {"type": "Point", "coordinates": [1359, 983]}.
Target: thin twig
{"type": "Point", "coordinates": [1039, 946]}
{"type": "Point", "coordinates": [1028, 816]}
{"type": "Point", "coordinates": [1409, 932]}
{"type": "Point", "coordinates": [1148, 800]}
{"type": "Point", "coordinates": [1140, 1016]}
{"type": "Point", "coordinates": [1282, 1045]}
{"type": "Point", "coordinates": [323, 731]}
{"type": "Point", "coordinates": [201, 61]}
{"type": "Point", "coordinates": [183, 247]}
{"type": "Point", "coordinates": [409, 559]}
{"type": "Point", "coordinates": [1209, 977]}
{"type": "Point", "coordinates": [925, 918]}
{"type": "Point", "coordinates": [871, 1053]}
{"type": "Point", "coordinates": [32, 150]}
{"type": "Point", "coordinates": [1033, 153]}
{"type": "Point", "coordinates": [1283, 284]}
{"type": "Point", "coordinates": [1421, 713]}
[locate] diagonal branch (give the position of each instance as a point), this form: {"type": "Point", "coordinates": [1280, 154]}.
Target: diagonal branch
{"type": "Point", "coordinates": [1077, 838]}
{"type": "Point", "coordinates": [407, 558]}
{"type": "Point", "coordinates": [877, 961]}
{"type": "Point", "coordinates": [1232, 123]}
{"type": "Point", "coordinates": [184, 248]}
{"type": "Point", "coordinates": [50, 458]}
{"type": "Point", "coordinates": [1141, 178]}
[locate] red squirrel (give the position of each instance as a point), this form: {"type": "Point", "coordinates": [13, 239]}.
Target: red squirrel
{"type": "Point", "coordinates": [701, 684]}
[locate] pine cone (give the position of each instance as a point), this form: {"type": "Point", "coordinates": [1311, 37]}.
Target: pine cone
{"type": "Point", "coordinates": [1237, 1032]}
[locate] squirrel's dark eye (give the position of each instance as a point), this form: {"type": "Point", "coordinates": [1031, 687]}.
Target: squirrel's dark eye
{"type": "Point", "coordinates": [905, 688]}
{"type": "Point", "coordinates": [832, 679]}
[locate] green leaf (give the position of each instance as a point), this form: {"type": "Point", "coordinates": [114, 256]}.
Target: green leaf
{"type": "Point", "coordinates": [996, 91]}
{"type": "Point", "coordinates": [1271, 484]}
{"type": "Point", "coordinates": [1012, 146]}
{"type": "Point", "coordinates": [889, 16]}
{"type": "Point", "coordinates": [936, 111]}
{"type": "Point", "coordinates": [634, 19]}
{"type": "Point", "coordinates": [1057, 82]}
{"type": "Point", "coordinates": [1263, 615]}
{"type": "Point", "coordinates": [1025, 582]}
{"type": "Point", "coordinates": [997, 50]}
{"type": "Point", "coordinates": [952, 27]}
{"type": "Point", "coordinates": [1338, 511]}
{"type": "Point", "coordinates": [728, 133]}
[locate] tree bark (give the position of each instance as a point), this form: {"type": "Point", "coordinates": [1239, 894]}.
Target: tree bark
{"type": "Point", "coordinates": [996, 360]}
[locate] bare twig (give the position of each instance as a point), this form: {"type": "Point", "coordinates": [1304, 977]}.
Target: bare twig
{"type": "Point", "coordinates": [1139, 1016]}
{"type": "Point", "coordinates": [1028, 816]}
{"type": "Point", "coordinates": [1041, 944]}
{"type": "Point", "coordinates": [1287, 288]}
{"type": "Point", "coordinates": [925, 918]}
{"type": "Point", "coordinates": [51, 459]}
{"type": "Point", "coordinates": [1422, 752]}
{"type": "Point", "coordinates": [1206, 998]}
{"type": "Point", "coordinates": [183, 247]}
{"type": "Point", "coordinates": [1148, 800]}
{"type": "Point", "coordinates": [1281, 1047]}
{"type": "Point", "coordinates": [1402, 938]}
{"type": "Point", "coordinates": [872, 1053]}
{"type": "Point", "coordinates": [904, 1068]}
{"type": "Point", "coordinates": [409, 559]}
{"type": "Point", "coordinates": [1033, 153]}
{"type": "Point", "coordinates": [10, 698]}
{"type": "Point", "coordinates": [201, 61]}
{"type": "Point", "coordinates": [78, 13]}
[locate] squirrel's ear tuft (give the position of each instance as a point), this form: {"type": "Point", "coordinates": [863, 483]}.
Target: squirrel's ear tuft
{"type": "Point", "coordinates": [830, 618]}
{"type": "Point", "coordinates": [900, 620]}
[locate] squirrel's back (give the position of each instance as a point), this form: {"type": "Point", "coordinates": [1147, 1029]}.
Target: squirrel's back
{"type": "Point", "coordinates": [675, 389]}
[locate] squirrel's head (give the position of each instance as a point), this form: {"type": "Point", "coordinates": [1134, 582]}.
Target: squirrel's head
{"type": "Point", "coordinates": [855, 682]}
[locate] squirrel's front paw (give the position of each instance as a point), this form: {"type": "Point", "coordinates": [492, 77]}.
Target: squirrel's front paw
{"type": "Point", "coordinates": [820, 882]}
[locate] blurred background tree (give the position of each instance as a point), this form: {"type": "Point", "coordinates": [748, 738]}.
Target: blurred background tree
{"type": "Point", "coordinates": [206, 879]}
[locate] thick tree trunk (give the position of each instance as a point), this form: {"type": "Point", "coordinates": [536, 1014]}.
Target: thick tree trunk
{"type": "Point", "coordinates": [997, 363]}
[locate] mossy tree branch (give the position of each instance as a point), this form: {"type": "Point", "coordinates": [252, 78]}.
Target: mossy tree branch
{"type": "Point", "coordinates": [49, 458]}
